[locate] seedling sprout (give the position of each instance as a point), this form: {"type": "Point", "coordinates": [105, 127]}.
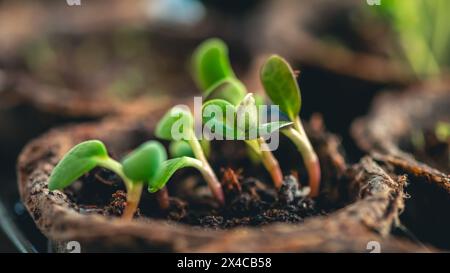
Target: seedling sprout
{"type": "Point", "coordinates": [280, 84]}
{"type": "Point", "coordinates": [245, 125]}
{"type": "Point", "coordinates": [137, 168]}
{"type": "Point", "coordinates": [148, 164]}
{"type": "Point", "coordinates": [181, 118]}
{"type": "Point", "coordinates": [215, 77]}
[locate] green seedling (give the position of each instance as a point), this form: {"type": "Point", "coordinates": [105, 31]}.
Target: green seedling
{"type": "Point", "coordinates": [142, 165]}
{"type": "Point", "coordinates": [216, 79]}
{"type": "Point", "coordinates": [214, 75]}
{"type": "Point", "coordinates": [242, 122]}
{"type": "Point", "coordinates": [179, 120]}
{"type": "Point", "coordinates": [280, 84]}
{"type": "Point", "coordinates": [136, 170]}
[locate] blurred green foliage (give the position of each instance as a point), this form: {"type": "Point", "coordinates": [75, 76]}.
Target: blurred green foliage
{"type": "Point", "coordinates": [422, 28]}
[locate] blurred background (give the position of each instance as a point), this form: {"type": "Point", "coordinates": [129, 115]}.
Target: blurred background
{"type": "Point", "coordinates": [69, 61]}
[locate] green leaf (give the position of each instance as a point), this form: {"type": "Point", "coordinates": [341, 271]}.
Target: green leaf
{"type": "Point", "coordinates": [79, 160]}
{"type": "Point", "coordinates": [168, 168]}
{"type": "Point", "coordinates": [177, 116]}
{"type": "Point", "coordinates": [180, 148]}
{"type": "Point", "coordinates": [281, 85]}
{"type": "Point", "coordinates": [220, 108]}
{"type": "Point", "coordinates": [211, 63]}
{"type": "Point", "coordinates": [222, 129]}
{"type": "Point", "coordinates": [214, 115]}
{"type": "Point", "coordinates": [271, 127]}
{"type": "Point", "coordinates": [229, 89]}
{"type": "Point", "coordinates": [143, 163]}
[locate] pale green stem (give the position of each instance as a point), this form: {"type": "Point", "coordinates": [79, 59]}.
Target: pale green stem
{"type": "Point", "coordinates": [210, 177]}
{"type": "Point", "coordinates": [134, 189]}
{"type": "Point", "coordinates": [259, 146]}
{"type": "Point", "coordinates": [254, 145]}
{"type": "Point", "coordinates": [206, 170]}
{"type": "Point", "coordinates": [133, 197]}
{"type": "Point", "coordinates": [116, 167]}
{"type": "Point", "coordinates": [298, 136]}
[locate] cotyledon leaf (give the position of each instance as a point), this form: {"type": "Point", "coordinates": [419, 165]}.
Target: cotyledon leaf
{"type": "Point", "coordinates": [229, 89]}
{"type": "Point", "coordinates": [168, 168]}
{"type": "Point", "coordinates": [144, 162]}
{"type": "Point", "coordinates": [281, 85]}
{"type": "Point", "coordinates": [79, 160]}
{"type": "Point", "coordinates": [177, 114]}
{"type": "Point", "coordinates": [179, 148]}
{"type": "Point", "coordinates": [211, 63]}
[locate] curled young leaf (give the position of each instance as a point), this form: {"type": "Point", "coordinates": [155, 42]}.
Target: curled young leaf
{"type": "Point", "coordinates": [272, 127]}
{"type": "Point", "coordinates": [211, 63]}
{"type": "Point", "coordinates": [229, 89]}
{"type": "Point", "coordinates": [79, 160]}
{"type": "Point", "coordinates": [143, 163]}
{"type": "Point", "coordinates": [281, 85]}
{"type": "Point", "coordinates": [226, 121]}
{"type": "Point", "coordinates": [247, 114]}
{"type": "Point", "coordinates": [177, 120]}
{"type": "Point", "coordinates": [168, 168]}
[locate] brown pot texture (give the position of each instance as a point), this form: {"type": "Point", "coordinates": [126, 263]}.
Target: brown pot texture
{"type": "Point", "coordinates": [82, 72]}
{"type": "Point", "coordinates": [83, 77]}
{"type": "Point", "coordinates": [374, 199]}
{"type": "Point", "coordinates": [29, 107]}
{"type": "Point", "coordinates": [387, 133]}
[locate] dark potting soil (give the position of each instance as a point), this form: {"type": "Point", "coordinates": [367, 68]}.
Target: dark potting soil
{"type": "Point", "coordinates": [250, 196]}
{"type": "Point", "coordinates": [249, 201]}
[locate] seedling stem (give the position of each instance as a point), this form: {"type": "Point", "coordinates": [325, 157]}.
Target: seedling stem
{"type": "Point", "coordinates": [206, 170]}
{"type": "Point", "coordinates": [260, 147]}
{"type": "Point", "coordinates": [134, 190]}
{"type": "Point", "coordinates": [298, 136]}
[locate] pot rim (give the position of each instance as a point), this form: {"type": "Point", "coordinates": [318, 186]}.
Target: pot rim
{"type": "Point", "coordinates": [368, 218]}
